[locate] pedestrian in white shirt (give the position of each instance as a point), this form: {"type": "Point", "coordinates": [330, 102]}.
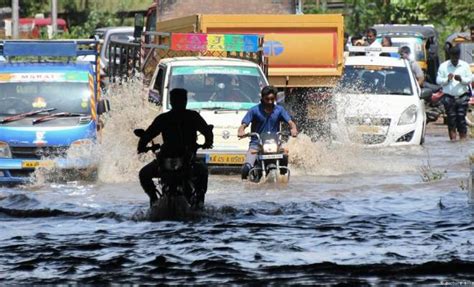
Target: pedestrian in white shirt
{"type": "Point", "coordinates": [455, 76]}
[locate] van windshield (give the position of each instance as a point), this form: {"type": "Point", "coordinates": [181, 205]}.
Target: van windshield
{"type": "Point", "coordinates": [22, 97]}
{"type": "Point", "coordinates": [219, 87]}
{"type": "Point", "coordinates": [376, 80]}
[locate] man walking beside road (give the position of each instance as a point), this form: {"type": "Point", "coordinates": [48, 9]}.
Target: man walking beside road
{"type": "Point", "coordinates": [415, 67]}
{"type": "Point", "coordinates": [455, 76]}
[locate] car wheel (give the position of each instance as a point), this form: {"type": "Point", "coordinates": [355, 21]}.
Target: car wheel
{"type": "Point", "coordinates": [422, 138]}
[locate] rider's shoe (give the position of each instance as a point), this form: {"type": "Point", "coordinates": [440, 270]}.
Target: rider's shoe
{"type": "Point", "coordinates": [245, 171]}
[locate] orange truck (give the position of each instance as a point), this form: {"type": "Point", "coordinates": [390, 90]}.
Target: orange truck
{"type": "Point", "coordinates": [305, 55]}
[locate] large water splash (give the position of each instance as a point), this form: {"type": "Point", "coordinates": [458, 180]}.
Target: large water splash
{"type": "Point", "coordinates": [130, 110]}
{"type": "Point", "coordinates": [114, 154]}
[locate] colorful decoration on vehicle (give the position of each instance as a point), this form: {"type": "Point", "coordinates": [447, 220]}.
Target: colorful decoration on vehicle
{"type": "Point", "coordinates": [45, 77]}
{"type": "Point", "coordinates": [39, 102]}
{"type": "Point", "coordinates": [214, 42]}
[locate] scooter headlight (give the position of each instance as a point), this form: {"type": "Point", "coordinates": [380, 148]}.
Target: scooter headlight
{"type": "Point", "coordinates": [270, 146]}
{"type": "Point", "coordinates": [408, 116]}
{"type": "Point", "coordinates": [5, 151]}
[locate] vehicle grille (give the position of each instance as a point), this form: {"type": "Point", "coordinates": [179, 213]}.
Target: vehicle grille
{"type": "Point", "coordinates": [368, 121]}
{"type": "Point", "coordinates": [373, 139]}
{"type": "Point", "coordinates": [21, 172]}
{"type": "Point", "coordinates": [34, 152]}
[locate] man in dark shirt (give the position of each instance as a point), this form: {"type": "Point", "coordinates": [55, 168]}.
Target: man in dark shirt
{"type": "Point", "coordinates": [264, 117]}
{"type": "Point", "coordinates": [179, 129]}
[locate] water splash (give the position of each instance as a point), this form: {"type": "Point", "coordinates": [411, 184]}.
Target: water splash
{"type": "Point", "coordinates": [114, 157]}
{"type": "Point", "coordinates": [117, 148]}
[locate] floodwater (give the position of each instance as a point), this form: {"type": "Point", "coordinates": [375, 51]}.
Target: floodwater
{"type": "Point", "coordinates": [348, 215]}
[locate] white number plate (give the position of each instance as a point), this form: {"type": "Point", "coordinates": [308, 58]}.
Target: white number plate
{"type": "Point", "coordinates": [270, 156]}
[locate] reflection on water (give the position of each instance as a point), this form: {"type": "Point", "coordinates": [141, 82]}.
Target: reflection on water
{"type": "Point", "coordinates": [348, 215]}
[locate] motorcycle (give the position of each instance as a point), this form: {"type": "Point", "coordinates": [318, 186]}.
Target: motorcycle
{"type": "Point", "coordinates": [176, 189]}
{"type": "Point", "coordinates": [432, 94]}
{"type": "Point", "coordinates": [272, 159]}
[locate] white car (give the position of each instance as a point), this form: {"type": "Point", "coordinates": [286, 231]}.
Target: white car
{"type": "Point", "coordinates": [378, 103]}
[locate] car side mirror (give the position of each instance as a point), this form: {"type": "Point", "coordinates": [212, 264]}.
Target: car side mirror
{"type": "Point", "coordinates": [103, 106]}
{"type": "Point", "coordinates": [426, 94]}
{"type": "Point", "coordinates": [280, 98]}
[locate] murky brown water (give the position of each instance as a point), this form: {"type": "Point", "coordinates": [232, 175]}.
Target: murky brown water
{"type": "Point", "coordinates": [348, 215]}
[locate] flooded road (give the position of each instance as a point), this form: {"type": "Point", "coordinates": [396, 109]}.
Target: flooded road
{"type": "Point", "coordinates": [348, 215]}
{"type": "Point", "coordinates": [355, 216]}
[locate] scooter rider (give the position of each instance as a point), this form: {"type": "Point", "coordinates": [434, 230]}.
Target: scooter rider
{"type": "Point", "coordinates": [264, 117]}
{"type": "Point", "coordinates": [179, 129]}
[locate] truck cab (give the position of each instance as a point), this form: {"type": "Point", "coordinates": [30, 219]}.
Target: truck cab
{"type": "Point", "coordinates": [221, 90]}
{"type": "Point", "coordinates": [47, 109]}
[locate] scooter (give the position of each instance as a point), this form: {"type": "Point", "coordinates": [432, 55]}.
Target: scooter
{"type": "Point", "coordinates": [177, 194]}
{"type": "Point", "coordinates": [272, 159]}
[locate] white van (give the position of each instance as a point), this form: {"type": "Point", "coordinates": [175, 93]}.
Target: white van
{"type": "Point", "coordinates": [222, 90]}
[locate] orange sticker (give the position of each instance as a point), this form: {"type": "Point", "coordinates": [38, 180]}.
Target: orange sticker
{"type": "Point", "coordinates": [5, 77]}
{"type": "Point", "coordinates": [39, 103]}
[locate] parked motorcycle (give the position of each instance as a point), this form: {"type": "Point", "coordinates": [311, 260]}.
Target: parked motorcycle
{"type": "Point", "coordinates": [432, 94]}
{"type": "Point", "coordinates": [176, 189]}
{"type": "Point", "coordinates": [272, 159]}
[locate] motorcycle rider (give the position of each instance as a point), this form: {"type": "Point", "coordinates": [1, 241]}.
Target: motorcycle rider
{"type": "Point", "coordinates": [264, 117]}
{"type": "Point", "coordinates": [179, 129]}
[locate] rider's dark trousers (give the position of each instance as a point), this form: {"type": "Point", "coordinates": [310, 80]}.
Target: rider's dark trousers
{"type": "Point", "coordinates": [151, 170]}
{"type": "Point", "coordinates": [456, 109]}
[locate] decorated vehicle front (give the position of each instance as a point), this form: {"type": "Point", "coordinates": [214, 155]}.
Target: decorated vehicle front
{"type": "Point", "coordinates": [57, 102]}
{"type": "Point", "coordinates": [378, 104]}
{"type": "Point", "coordinates": [48, 110]}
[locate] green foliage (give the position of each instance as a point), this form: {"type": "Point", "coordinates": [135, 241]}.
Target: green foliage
{"type": "Point", "coordinates": [448, 15]}
{"type": "Point", "coordinates": [95, 19]}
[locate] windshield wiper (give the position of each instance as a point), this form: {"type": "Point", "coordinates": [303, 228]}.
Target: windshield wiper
{"type": "Point", "coordinates": [213, 108]}
{"type": "Point", "coordinates": [55, 116]}
{"type": "Point", "coordinates": [25, 115]}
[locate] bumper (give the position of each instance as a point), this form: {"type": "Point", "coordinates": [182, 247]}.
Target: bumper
{"type": "Point", "coordinates": [393, 135]}
{"type": "Point", "coordinates": [18, 171]}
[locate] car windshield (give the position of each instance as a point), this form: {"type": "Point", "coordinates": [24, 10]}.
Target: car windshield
{"type": "Point", "coordinates": [22, 97]}
{"type": "Point", "coordinates": [376, 80]}
{"type": "Point", "coordinates": [219, 87]}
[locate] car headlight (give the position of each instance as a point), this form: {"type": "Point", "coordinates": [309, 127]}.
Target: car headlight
{"type": "Point", "coordinates": [408, 116]}
{"type": "Point", "coordinates": [5, 151]}
{"type": "Point", "coordinates": [270, 146]}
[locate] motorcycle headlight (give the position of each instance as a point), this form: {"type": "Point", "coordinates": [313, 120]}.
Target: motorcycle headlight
{"type": "Point", "coordinates": [270, 146]}
{"type": "Point", "coordinates": [408, 116]}
{"type": "Point", "coordinates": [5, 151]}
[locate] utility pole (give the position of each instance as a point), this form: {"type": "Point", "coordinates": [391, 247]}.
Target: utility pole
{"type": "Point", "coordinates": [54, 16]}
{"type": "Point", "coordinates": [15, 19]}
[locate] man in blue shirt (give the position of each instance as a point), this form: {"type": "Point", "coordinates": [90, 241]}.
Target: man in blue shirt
{"type": "Point", "coordinates": [264, 117]}
{"type": "Point", "coordinates": [455, 76]}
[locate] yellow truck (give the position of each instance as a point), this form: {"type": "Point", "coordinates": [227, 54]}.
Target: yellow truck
{"type": "Point", "coordinates": [304, 53]}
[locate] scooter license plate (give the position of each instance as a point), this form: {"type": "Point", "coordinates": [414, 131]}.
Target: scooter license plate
{"type": "Point", "coordinates": [236, 159]}
{"type": "Point", "coordinates": [37, 163]}
{"type": "Point", "coordinates": [270, 156]}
